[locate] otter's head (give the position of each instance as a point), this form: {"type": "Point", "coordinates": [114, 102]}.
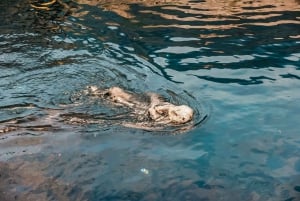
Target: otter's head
{"type": "Point", "coordinates": [180, 114]}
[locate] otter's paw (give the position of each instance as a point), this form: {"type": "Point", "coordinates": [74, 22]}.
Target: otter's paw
{"type": "Point", "coordinates": [159, 112]}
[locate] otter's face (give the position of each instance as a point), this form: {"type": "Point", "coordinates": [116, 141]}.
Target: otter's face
{"type": "Point", "coordinates": [180, 114]}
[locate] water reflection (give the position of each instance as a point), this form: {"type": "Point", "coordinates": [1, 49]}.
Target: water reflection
{"type": "Point", "coordinates": [215, 32]}
{"type": "Point", "coordinates": [217, 15]}
{"type": "Point", "coordinates": [209, 7]}
{"type": "Point", "coordinates": [34, 15]}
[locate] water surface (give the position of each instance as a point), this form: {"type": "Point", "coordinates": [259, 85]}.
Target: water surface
{"type": "Point", "coordinates": [237, 62]}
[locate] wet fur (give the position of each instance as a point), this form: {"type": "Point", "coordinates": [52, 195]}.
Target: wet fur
{"type": "Point", "coordinates": [157, 108]}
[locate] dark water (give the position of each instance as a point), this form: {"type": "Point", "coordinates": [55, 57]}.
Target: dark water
{"type": "Point", "coordinates": [236, 61]}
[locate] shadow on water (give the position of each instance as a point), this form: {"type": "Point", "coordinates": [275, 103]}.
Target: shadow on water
{"type": "Point", "coordinates": [235, 61]}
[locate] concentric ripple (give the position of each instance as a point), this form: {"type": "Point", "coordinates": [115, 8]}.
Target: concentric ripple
{"type": "Point", "coordinates": [89, 109]}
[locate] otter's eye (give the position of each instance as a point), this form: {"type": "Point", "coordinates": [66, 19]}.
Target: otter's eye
{"type": "Point", "coordinates": [114, 98]}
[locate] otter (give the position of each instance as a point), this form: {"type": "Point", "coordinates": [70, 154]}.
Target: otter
{"type": "Point", "coordinates": [147, 111]}
{"type": "Point", "coordinates": [157, 109]}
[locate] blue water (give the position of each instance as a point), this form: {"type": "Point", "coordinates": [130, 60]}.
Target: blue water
{"type": "Point", "coordinates": [236, 62]}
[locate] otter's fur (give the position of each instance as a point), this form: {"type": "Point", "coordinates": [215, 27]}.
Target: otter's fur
{"type": "Point", "coordinates": [158, 109]}
{"type": "Point", "coordinates": [149, 111]}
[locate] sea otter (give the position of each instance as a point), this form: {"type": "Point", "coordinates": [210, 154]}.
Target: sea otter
{"type": "Point", "coordinates": [157, 109]}
{"type": "Point", "coordinates": [147, 111]}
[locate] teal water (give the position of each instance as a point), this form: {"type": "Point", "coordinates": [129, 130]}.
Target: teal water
{"type": "Point", "coordinates": [236, 62]}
